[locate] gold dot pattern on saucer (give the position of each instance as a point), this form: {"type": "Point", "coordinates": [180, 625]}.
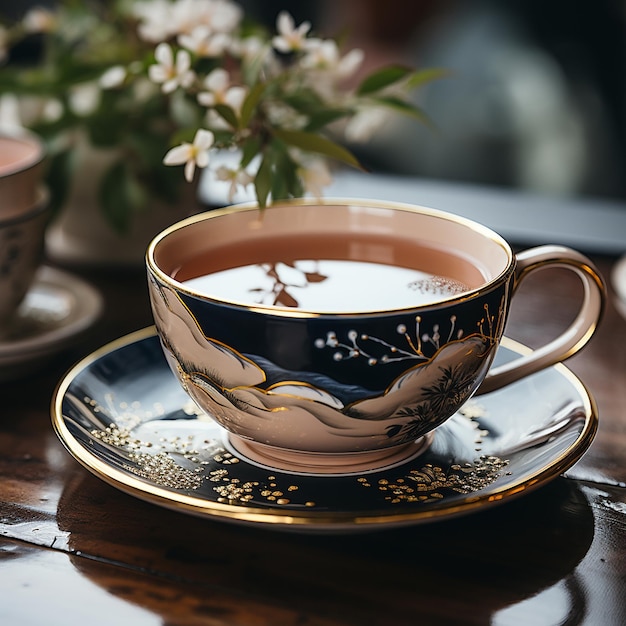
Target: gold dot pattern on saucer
{"type": "Point", "coordinates": [159, 468]}
{"type": "Point", "coordinates": [193, 462]}
{"type": "Point", "coordinates": [427, 483]}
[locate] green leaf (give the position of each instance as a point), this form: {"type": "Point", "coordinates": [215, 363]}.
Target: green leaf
{"type": "Point", "coordinates": [382, 78]}
{"type": "Point", "coordinates": [103, 130]}
{"type": "Point", "coordinates": [120, 196]}
{"type": "Point", "coordinates": [223, 138]}
{"type": "Point", "coordinates": [250, 149]}
{"type": "Point", "coordinates": [263, 181]}
{"type": "Point", "coordinates": [402, 106]}
{"type": "Point", "coordinates": [285, 180]}
{"type": "Point", "coordinates": [164, 183]}
{"type": "Point", "coordinates": [107, 125]}
{"type": "Point", "coordinates": [250, 104]}
{"type": "Point", "coordinates": [251, 69]}
{"type": "Point", "coordinates": [421, 77]}
{"type": "Point", "coordinates": [149, 148]}
{"type": "Point", "coordinates": [322, 118]}
{"type": "Point", "coordinates": [311, 142]}
{"type": "Point", "coordinates": [58, 178]}
{"type": "Point", "coordinates": [39, 81]}
{"type": "Point", "coordinates": [227, 113]}
{"type": "Point", "coordinates": [305, 100]}
{"type": "Point", "coordinates": [204, 65]}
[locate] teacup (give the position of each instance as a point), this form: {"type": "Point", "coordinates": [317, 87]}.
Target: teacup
{"type": "Point", "coordinates": [21, 252]}
{"type": "Point", "coordinates": [22, 155]}
{"type": "Point", "coordinates": [335, 336]}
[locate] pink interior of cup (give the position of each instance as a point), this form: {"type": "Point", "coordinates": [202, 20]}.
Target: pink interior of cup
{"type": "Point", "coordinates": [18, 153]}
{"type": "Point", "coordinates": [21, 172]}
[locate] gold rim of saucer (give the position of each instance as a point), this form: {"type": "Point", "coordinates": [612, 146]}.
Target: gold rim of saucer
{"type": "Point", "coordinates": [311, 520]}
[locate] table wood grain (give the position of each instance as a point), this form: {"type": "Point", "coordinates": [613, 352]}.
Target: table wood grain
{"type": "Point", "coordinates": [75, 550]}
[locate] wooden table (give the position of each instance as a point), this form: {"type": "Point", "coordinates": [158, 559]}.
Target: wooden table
{"type": "Point", "coordinates": [75, 550]}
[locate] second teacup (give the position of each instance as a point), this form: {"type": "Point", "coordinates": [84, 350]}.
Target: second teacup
{"type": "Point", "coordinates": [22, 156]}
{"type": "Point", "coordinates": [21, 252]}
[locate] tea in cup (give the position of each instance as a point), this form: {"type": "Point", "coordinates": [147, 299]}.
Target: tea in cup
{"type": "Point", "coordinates": [335, 336]}
{"type": "Point", "coordinates": [22, 156]}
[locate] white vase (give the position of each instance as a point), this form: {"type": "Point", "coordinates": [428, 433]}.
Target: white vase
{"type": "Point", "coordinates": [80, 234]}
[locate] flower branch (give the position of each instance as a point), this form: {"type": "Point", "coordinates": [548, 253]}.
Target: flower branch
{"type": "Point", "coordinates": [174, 81]}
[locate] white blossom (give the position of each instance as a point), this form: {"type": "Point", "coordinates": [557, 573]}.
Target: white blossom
{"type": "Point", "coordinates": [324, 55]}
{"type": "Point", "coordinates": [193, 155]}
{"type": "Point", "coordinates": [325, 67]}
{"type": "Point", "coordinates": [84, 99]}
{"type": "Point", "coordinates": [183, 16]}
{"type": "Point", "coordinates": [113, 77]}
{"type": "Point", "coordinates": [202, 42]}
{"type": "Point", "coordinates": [171, 72]}
{"type": "Point", "coordinates": [143, 89]}
{"type": "Point", "coordinates": [215, 121]}
{"type": "Point", "coordinates": [350, 63]}
{"type": "Point", "coordinates": [52, 110]}
{"type": "Point", "coordinates": [186, 15]}
{"type": "Point", "coordinates": [248, 48]}
{"type": "Point", "coordinates": [285, 116]}
{"type": "Point", "coordinates": [235, 97]}
{"type": "Point", "coordinates": [290, 38]}
{"type": "Point", "coordinates": [364, 123]}
{"type": "Point", "coordinates": [155, 19]}
{"type": "Point", "coordinates": [222, 16]}
{"type": "Point", "coordinates": [220, 91]}
{"type": "Point", "coordinates": [256, 52]}
{"type": "Point", "coordinates": [38, 20]}
{"type": "Point", "coordinates": [236, 177]}
{"type": "Point", "coordinates": [315, 175]}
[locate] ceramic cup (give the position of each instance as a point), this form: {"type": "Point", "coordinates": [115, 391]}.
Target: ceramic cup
{"type": "Point", "coordinates": [21, 251]}
{"type": "Point", "coordinates": [335, 336]}
{"type": "Point", "coordinates": [22, 155]}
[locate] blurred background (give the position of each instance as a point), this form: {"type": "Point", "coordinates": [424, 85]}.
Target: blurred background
{"type": "Point", "coordinates": [535, 99]}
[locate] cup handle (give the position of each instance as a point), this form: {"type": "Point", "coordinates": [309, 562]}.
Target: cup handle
{"type": "Point", "coordinates": [575, 336]}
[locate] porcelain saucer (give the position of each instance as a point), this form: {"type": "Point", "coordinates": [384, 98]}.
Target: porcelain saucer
{"type": "Point", "coordinates": [123, 415]}
{"type": "Point", "coordinates": [57, 309]}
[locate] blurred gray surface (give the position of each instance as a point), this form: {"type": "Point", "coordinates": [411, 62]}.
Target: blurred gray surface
{"type": "Point", "coordinates": [588, 224]}
{"type": "Point", "coordinates": [591, 225]}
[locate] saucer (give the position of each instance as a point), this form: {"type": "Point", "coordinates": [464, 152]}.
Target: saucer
{"type": "Point", "coordinates": [123, 415]}
{"type": "Point", "coordinates": [57, 308]}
